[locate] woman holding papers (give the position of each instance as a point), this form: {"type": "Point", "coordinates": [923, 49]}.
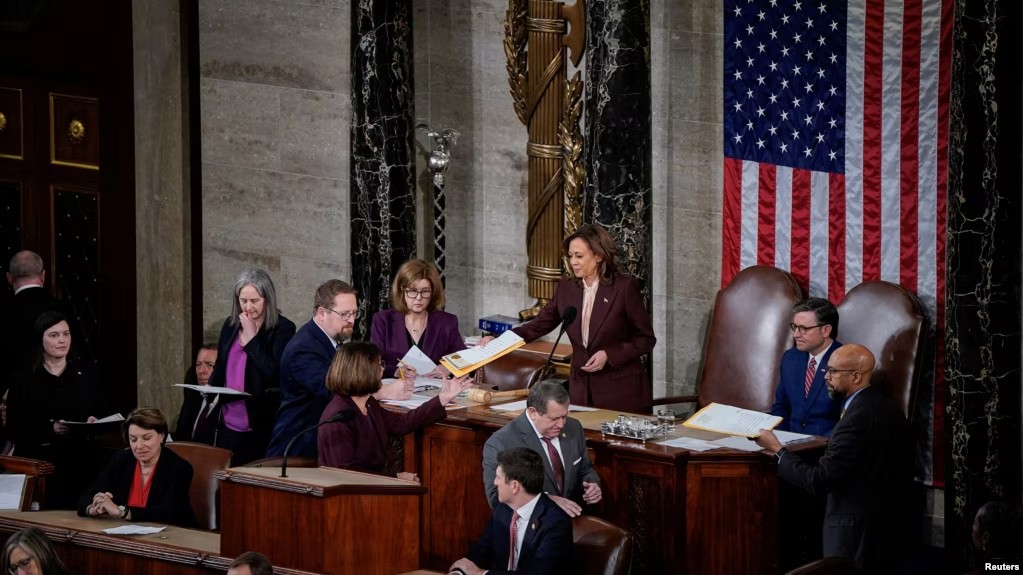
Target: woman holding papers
{"type": "Point", "coordinates": [248, 359]}
{"type": "Point", "coordinates": [416, 320]}
{"type": "Point", "coordinates": [44, 404]}
{"type": "Point", "coordinates": [144, 482]}
{"type": "Point", "coordinates": [361, 443]}
{"type": "Point", "coordinates": [613, 330]}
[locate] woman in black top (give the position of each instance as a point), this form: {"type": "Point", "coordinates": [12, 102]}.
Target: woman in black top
{"type": "Point", "coordinates": [42, 399]}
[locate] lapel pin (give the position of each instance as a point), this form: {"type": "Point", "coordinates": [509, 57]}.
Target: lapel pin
{"type": "Point", "coordinates": [533, 527]}
{"type": "Point", "coordinates": [605, 300]}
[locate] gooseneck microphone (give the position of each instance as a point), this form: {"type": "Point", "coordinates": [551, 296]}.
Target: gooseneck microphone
{"type": "Point", "coordinates": [567, 317]}
{"type": "Point", "coordinates": [340, 417]}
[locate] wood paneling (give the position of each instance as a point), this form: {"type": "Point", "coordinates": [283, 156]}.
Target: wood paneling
{"type": "Point", "coordinates": [74, 131]}
{"type": "Point", "coordinates": [12, 129]}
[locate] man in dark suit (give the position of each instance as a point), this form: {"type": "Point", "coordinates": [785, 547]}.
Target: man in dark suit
{"type": "Point", "coordinates": [27, 277]}
{"type": "Point", "coordinates": [865, 470]}
{"type": "Point", "coordinates": [197, 420]}
{"type": "Point", "coordinates": [569, 478]}
{"type": "Point", "coordinates": [528, 533]}
{"type": "Point", "coordinates": [799, 397]}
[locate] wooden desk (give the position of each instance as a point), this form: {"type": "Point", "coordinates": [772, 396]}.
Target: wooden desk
{"type": "Point", "coordinates": [702, 513]}
{"type": "Point", "coordinates": [84, 547]}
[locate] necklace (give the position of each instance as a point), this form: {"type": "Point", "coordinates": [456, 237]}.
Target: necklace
{"type": "Point", "coordinates": [408, 324]}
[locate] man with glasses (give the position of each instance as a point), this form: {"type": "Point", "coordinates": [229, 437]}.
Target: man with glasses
{"type": "Point", "coordinates": [569, 478]}
{"type": "Point", "coordinates": [800, 398]}
{"type": "Point", "coordinates": [865, 471]}
{"type": "Point", "coordinates": [304, 365]}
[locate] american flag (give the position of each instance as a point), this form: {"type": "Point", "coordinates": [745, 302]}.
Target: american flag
{"type": "Point", "coordinates": [835, 145]}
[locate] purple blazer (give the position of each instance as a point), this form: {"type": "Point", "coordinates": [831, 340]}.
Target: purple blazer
{"type": "Point", "coordinates": [361, 444]}
{"type": "Point", "coordinates": [389, 334]}
{"type": "Point", "coordinates": [619, 325]}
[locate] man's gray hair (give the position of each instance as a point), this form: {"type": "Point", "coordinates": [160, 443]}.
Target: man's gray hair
{"type": "Point", "coordinates": [544, 392]}
{"type": "Point", "coordinates": [25, 264]}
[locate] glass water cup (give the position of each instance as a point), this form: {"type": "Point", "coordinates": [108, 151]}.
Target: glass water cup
{"type": "Point", "coordinates": [667, 419]}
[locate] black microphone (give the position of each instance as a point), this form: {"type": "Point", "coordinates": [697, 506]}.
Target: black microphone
{"type": "Point", "coordinates": [340, 417]}
{"type": "Point", "coordinates": [567, 317]}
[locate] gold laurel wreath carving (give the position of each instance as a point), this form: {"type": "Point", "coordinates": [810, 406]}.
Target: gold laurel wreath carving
{"type": "Point", "coordinates": [75, 131]}
{"type": "Point", "coordinates": [572, 168]}
{"type": "Point", "coordinates": [515, 54]}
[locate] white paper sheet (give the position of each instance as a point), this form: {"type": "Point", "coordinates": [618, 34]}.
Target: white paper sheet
{"type": "Point", "coordinates": [12, 489]}
{"type": "Point", "coordinates": [732, 420]}
{"type": "Point", "coordinates": [419, 361]}
{"type": "Point", "coordinates": [211, 389]}
{"type": "Point", "coordinates": [689, 443]}
{"type": "Point", "coordinates": [133, 530]}
{"type": "Point", "coordinates": [740, 443]}
{"type": "Point", "coordinates": [790, 438]}
{"type": "Point", "coordinates": [410, 403]}
{"type": "Point", "coordinates": [108, 419]}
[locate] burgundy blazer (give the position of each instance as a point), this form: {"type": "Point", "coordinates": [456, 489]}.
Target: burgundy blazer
{"type": "Point", "coordinates": [619, 325]}
{"type": "Point", "coordinates": [389, 334]}
{"type": "Point", "coordinates": [361, 444]}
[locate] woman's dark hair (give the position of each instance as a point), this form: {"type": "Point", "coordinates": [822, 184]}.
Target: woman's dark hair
{"type": "Point", "coordinates": [38, 546]}
{"type": "Point", "coordinates": [147, 418]}
{"type": "Point", "coordinates": [355, 370]}
{"type": "Point", "coordinates": [603, 248]}
{"type": "Point", "coordinates": [45, 321]}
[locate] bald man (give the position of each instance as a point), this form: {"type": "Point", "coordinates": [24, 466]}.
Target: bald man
{"type": "Point", "coordinates": [865, 470]}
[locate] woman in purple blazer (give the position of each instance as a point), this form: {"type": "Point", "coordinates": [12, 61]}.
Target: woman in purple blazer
{"type": "Point", "coordinates": [361, 442]}
{"type": "Point", "coordinates": [417, 298]}
{"type": "Point", "coordinates": [612, 330]}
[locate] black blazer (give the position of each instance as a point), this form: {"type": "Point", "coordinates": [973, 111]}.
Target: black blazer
{"type": "Point", "coordinates": [546, 548]}
{"type": "Point", "coordinates": [205, 430]}
{"type": "Point", "coordinates": [262, 369]}
{"type": "Point", "coordinates": [168, 497]}
{"type": "Point", "coordinates": [865, 473]}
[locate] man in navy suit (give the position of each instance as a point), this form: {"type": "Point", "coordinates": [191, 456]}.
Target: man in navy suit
{"type": "Point", "coordinates": [865, 471]}
{"type": "Point", "coordinates": [800, 398]}
{"type": "Point", "coordinates": [528, 533]}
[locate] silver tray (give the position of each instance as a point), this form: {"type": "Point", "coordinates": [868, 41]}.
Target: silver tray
{"type": "Point", "coordinates": [643, 435]}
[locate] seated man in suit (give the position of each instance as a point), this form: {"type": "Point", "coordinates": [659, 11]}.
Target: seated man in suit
{"type": "Point", "coordinates": [527, 533]}
{"type": "Point", "coordinates": [197, 420]}
{"type": "Point", "coordinates": [799, 398]}
{"type": "Point", "coordinates": [569, 478]}
{"type": "Point", "coordinates": [865, 471]}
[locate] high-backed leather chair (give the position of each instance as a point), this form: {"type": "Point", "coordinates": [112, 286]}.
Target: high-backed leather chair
{"type": "Point", "coordinates": [205, 489]}
{"type": "Point", "coordinates": [887, 319]}
{"type": "Point", "coordinates": [516, 370]}
{"type": "Point", "coordinates": [748, 333]}
{"type": "Point", "coordinates": [35, 471]}
{"type": "Point", "coordinates": [601, 548]}
{"type": "Point", "coordinates": [828, 565]}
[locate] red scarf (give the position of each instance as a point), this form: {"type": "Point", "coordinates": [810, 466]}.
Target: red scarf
{"type": "Point", "coordinates": [139, 494]}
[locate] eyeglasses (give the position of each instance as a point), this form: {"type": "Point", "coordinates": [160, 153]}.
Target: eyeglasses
{"type": "Point", "coordinates": [802, 329]}
{"type": "Point", "coordinates": [832, 370]}
{"type": "Point", "coordinates": [22, 565]}
{"type": "Point", "coordinates": [348, 315]}
{"type": "Point", "coordinates": [416, 294]}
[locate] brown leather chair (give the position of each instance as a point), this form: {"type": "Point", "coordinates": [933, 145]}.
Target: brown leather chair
{"type": "Point", "coordinates": [36, 471]}
{"type": "Point", "coordinates": [828, 565]}
{"type": "Point", "coordinates": [601, 548]}
{"type": "Point", "coordinates": [277, 461]}
{"type": "Point", "coordinates": [516, 370]}
{"type": "Point", "coordinates": [205, 490]}
{"type": "Point", "coordinates": [887, 319]}
{"type": "Point", "coordinates": [748, 333]}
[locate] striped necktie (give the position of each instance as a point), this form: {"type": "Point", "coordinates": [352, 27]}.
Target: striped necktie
{"type": "Point", "coordinates": [811, 370]}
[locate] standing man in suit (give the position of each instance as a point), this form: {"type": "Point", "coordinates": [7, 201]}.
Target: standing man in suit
{"type": "Point", "coordinates": [865, 471]}
{"type": "Point", "coordinates": [27, 277]}
{"type": "Point", "coordinates": [569, 479]}
{"type": "Point", "coordinates": [304, 365]}
{"type": "Point", "coordinates": [527, 533]}
{"type": "Point", "coordinates": [799, 398]}
{"type": "Point", "coordinates": [197, 420]}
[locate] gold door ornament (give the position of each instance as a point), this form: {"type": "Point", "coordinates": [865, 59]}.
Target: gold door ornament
{"type": "Point", "coordinates": [537, 39]}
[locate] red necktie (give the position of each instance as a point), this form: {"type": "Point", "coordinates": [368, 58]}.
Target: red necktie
{"type": "Point", "coordinates": [556, 465]}
{"type": "Point", "coordinates": [513, 536]}
{"type": "Point", "coordinates": [811, 370]}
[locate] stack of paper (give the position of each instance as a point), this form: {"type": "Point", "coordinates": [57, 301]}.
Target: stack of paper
{"type": "Point", "coordinates": [463, 362]}
{"type": "Point", "coordinates": [211, 389]}
{"type": "Point", "coordinates": [417, 360]}
{"type": "Point", "coordinates": [732, 420]}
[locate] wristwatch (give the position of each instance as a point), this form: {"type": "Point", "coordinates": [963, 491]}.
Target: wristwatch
{"type": "Point", "coordinates": [123, 511]}
{"type": "Point", "coordinates": [780, 452]}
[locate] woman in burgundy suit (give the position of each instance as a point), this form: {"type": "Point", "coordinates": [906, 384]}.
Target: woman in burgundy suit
{"type": "Point", "coordinates": [361, 443]}
{"type": "Point", "coordinates": [417, 298]}
{"type": "Point", "coordinates": [612, 331]}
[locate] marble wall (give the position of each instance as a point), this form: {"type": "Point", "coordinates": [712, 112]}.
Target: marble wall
{"type": "Point", "coordinates": [275, 103]}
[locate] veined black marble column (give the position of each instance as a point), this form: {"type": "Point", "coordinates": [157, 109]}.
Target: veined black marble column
{"type": "Point", "coordinates": [383, 160]}
{"type": "Point", "coordinates": [618, 135]}
{"type": "Point", "coordinates": [982, 337]}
